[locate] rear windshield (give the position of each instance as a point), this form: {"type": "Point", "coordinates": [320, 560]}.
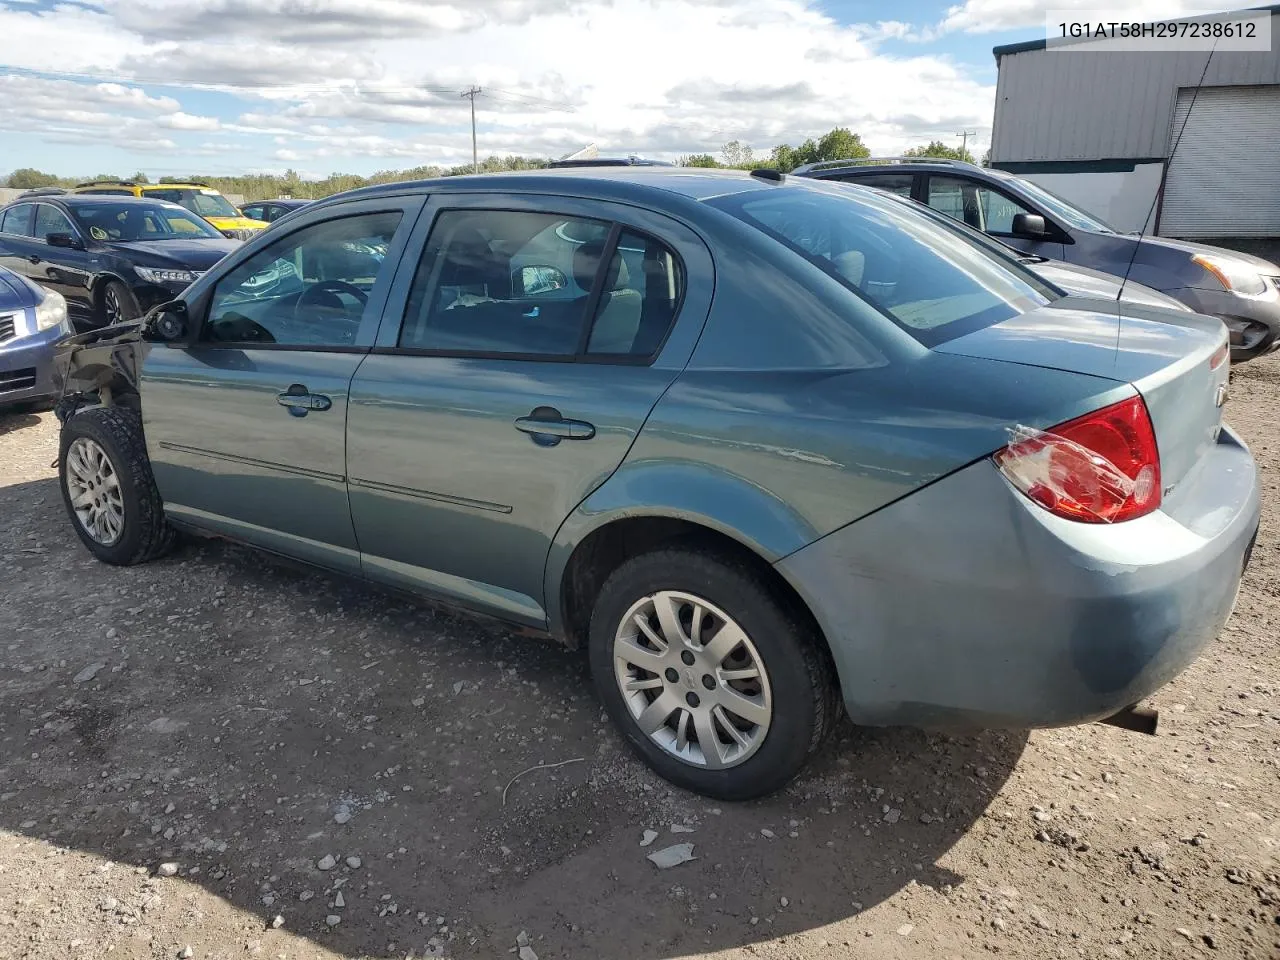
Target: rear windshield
{"type": "Point", "coordinates": [933, 282]}
{"type": "Point", "coordinates": [205, 202]}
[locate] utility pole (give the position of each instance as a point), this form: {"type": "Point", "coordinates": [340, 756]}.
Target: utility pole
{"type": "Point", "coordinates": [475, 156]}
{"type": "Point", "coordinates": [964, 136]}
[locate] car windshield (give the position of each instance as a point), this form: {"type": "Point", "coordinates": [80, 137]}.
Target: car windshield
{"type": "Point", "coordinates": [131, 220]}
{"type": "Point", "coordinates": [1063, 209]}
{"type": "Point", "coordinates": [932, 281]}
{"type": "Point", "coordinates": [203, 201]}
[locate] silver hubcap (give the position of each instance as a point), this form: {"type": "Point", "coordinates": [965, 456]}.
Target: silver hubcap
{"type": "Point", "coordinates": [692, 680]}
{"type": "Point", "coordinates": [94, 490]}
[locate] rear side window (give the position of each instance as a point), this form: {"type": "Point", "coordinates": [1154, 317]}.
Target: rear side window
{"type": "Point", "coordinates": [17, 220]}
{"type": "Point", "coordinates": [899, 183]}
{"type": "Point", "coordinates": [931, 281]}
{"type": "Point", "coordinates": [519, 284]}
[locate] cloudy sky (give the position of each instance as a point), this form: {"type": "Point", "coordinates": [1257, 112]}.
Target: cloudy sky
{"type": "Point", "coordinates": [232, 86]}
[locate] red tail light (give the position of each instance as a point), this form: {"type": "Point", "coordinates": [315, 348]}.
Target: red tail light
{"type": "Point", "coordinates": [1103, 467]}
{"type": "Point", "coordinates": [1219, 357]}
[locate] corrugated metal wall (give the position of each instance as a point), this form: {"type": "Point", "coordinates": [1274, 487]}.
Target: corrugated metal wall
{"type": "Point", "coordinates": [1222, 182]}
{"type": "Point", "coordinates": [1063, 105]}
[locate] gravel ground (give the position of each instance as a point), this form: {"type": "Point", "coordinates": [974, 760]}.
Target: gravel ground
{"type": "Point", "coordinates": [216, 755]}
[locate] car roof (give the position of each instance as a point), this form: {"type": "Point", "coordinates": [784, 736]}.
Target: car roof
{"type": "Point", "coordinates": [634, 183]}
{"type": "Point", "coordinates": [938, 165]}
{"type": "Point", "coordinates": [74, 200]}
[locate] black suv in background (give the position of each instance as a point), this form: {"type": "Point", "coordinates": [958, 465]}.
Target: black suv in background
{"type": "Point", "coordinates": [269, 211]}
{"type": "Point", "coordinates": [112, 258]}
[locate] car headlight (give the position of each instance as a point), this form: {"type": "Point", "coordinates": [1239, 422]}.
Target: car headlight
{"type": "Point", "coordinates": [51, 311]}
{"type": "Point", "coordinates": [153, 275]}
{"type": "Point", "coordinates": [1235, 276]}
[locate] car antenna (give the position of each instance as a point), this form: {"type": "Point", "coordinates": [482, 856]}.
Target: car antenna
{"type": "Point", "coordinates": [1133, 254]}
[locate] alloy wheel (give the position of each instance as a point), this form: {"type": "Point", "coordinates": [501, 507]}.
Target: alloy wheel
{"type": "Point", "coordinates": [111, 305]}
{"type": "Point", "coordinates": [692, 680]}
{"type": "Point", "coordinates": [94, 490]}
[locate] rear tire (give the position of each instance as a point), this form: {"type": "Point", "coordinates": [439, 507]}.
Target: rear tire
{"type": "Point", "coordinates": [753, 680]}
{"type": "Point", "coordinates": [108, 488]}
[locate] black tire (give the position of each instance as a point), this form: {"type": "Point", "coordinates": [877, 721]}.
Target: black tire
{"type": "Point", "coordinates": [146, 533]}
{"type": "Point", "coordinates": [806, 701]}
{"type": "Point", "coordinates": [128, 304]}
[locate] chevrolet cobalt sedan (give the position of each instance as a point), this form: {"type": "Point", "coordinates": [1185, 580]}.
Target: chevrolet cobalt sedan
{"type": "Point", "coordinates": [765, 446]}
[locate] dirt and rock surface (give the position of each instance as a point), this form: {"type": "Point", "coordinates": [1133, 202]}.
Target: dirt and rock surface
{"type": "Point", "coordinates": [217, 756]}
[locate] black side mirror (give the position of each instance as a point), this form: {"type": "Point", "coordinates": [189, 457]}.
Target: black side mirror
{"type": "Point", "coordinates": [167, 323]}
{"type": "Point", "coordinates": [1029, 225]}
{"type": "Point", "coordinates": [68, 240]}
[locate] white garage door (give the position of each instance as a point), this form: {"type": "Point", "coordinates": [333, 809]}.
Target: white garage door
{"type": "Point", "coordinates": [1224, 178]}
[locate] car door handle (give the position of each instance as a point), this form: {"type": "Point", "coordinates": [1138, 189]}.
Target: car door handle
{"type": "Point", "coordinates": [300, 401]}
{"type": "Point", "coordinates": [33, 258]}
{"type": "Point", "coordinates": [555, 428]}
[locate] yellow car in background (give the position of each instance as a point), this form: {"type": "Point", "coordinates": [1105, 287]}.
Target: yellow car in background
{"type": "Point", "coordinates": [199, 198]}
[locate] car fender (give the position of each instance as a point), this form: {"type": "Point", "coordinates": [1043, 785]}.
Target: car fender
{"type": "Point", "coordinates": [99, 279]}
{"type": "Point", "coordinates": [698, 493]}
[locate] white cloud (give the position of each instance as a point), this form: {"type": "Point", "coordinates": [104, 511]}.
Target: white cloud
{"type": "Point", "coordinates": [185, 121]}
{"type": "Point", "coordinates": [362, 83]}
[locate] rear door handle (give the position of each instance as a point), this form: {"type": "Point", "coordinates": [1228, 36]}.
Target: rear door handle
{"type": "Point", "coordinates": [548, 427]}
{"type": "Point", "coordinates": [300, 401]}
{"type": "Point", "coordinates": [33, 258]}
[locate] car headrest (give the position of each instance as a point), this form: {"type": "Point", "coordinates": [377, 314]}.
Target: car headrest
{"type": "Point", "coordinates": [850, 265]}
{"type": "Point", "coordinates": [586, 264]}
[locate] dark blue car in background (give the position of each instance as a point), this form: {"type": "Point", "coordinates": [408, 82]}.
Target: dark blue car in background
{"type": "Point", "coordinates": [32, 320]}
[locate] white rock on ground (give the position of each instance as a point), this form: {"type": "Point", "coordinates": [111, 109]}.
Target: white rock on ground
{"type": "Point", "coordinates": [672, 856]}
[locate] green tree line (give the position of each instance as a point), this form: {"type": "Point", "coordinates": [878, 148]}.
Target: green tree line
{"type": "Point", "coordinates": [839, 143]}
{"type": "Point", "coordinates": [262, 186]}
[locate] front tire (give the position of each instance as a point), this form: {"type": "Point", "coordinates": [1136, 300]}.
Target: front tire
{"type": "Point", "coordinates": [119, 305]}
{"type": "Point", "coordinates": [108, 489]}
{"type": "Point", "coordinates": [718, 682]}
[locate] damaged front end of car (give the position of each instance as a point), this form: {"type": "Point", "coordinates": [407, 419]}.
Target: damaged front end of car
{"type": "Point", "coordinates": [103, 367]}
{"type": "Point", "coordinates": [99, 368]}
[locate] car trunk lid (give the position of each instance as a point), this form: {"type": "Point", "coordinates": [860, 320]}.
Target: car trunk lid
{"type": "Point", "coordinates": [1175, 361]}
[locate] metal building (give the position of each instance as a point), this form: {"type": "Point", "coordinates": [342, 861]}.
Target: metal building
{"type": "Point", "coordinates": [1097, 126]}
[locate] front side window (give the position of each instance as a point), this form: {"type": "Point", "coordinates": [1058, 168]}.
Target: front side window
{"type": "Point", "coordinates": [114, 222]}
{"type": "Point", "coordinates": [203, 202]}
{"type": "Point", "coordinates": [899, 183]}
{"type": "Point", "coordinates": [253, 213]}
{"type": "Point", "coordinates": [17, 220]}
{"type": "Point", "coordinates": [976, 204]}
{"type": "Point", "coordinates": [931, 281]}
{"type": "Point", "coordinates": [309, 288]}
{"type": "Point", "coordinates": [536, 284]}
{"type": "Point", "coordinates": [50, 219]}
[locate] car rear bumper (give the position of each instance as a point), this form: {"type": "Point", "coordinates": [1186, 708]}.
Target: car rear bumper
{"type": "Point", "coordinates": [26, 366]}
{"type": "Point", "coordinates": [965, 605]}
